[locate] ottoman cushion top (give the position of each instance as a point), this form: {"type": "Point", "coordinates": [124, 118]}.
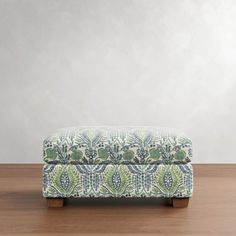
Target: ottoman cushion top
{"type": "Point", "coordinates": [117, 145]}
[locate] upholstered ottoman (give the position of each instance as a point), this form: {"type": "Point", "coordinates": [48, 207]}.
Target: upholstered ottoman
{"type": "Point", "coordinates": [117, 162]}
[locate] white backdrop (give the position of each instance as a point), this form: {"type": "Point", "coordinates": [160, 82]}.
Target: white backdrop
{"type": "Point", "coordinates": [161, 63]}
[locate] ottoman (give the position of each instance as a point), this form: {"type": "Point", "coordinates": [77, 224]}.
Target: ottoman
{"type": "Point", "coordinates": [117, 162]}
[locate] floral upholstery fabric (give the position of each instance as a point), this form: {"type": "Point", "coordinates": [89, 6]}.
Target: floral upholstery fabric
{"type": "Point", "coordinates": [109, 145]}
{"type": "Point", "coordinates": [132, 180]}
{"type": "Point", "coordinates": [117, 162]}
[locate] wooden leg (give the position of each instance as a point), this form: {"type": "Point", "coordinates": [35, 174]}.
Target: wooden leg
{"type": "Point", "coordinates": [180, 202]}
{"type": "Point", "coordinates": [55, 202]}
{"type": "Point", "coordinates": [170, 201]}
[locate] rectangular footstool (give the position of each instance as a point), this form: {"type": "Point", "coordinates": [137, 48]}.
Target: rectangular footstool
{"type": "Point", "coordinates": [117, 162]}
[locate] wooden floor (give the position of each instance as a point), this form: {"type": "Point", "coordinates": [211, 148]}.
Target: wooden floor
{"type": "Point", "coordinates": [211, 211]}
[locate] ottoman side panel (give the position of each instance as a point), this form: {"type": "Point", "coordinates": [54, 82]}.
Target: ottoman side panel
{"type": "Point", "coordinates": [117, 180]}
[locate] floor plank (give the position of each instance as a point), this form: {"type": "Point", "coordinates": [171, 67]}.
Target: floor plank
{"type": "Point", "coordinates": [211, 211]}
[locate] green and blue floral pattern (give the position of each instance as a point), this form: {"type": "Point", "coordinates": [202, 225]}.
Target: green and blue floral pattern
{"type": "Point", "coordinates": [132, 180]}
{"type": "Point", "coordinates": [109, 145]}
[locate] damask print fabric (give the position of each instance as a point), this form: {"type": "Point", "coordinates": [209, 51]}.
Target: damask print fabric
{"type": "Point", "coordinates": [117, 180]}
{"type": "Point", "coordinates": [117, 162]}
{"type": "Point", "coordinates": [105, 145]}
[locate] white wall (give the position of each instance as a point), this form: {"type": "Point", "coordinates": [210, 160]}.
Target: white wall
{"type": "Point", "coordinates": [117, 62]}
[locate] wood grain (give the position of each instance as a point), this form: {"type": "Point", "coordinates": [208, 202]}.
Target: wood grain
{"type": "Point", "coordinates": [211, 211]}
{"type": "Point", "coordinates": [55, 202]}
{"type": "Point", "coordinates": [180, 202]}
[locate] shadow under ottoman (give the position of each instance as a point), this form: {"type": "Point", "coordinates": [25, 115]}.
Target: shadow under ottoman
{"type": "Point", "coordinates": [117, 162]}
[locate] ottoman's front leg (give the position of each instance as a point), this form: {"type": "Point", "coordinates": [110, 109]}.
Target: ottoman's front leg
{"type": "Point", "coordinates": [55, 202]}
{"type": "Point", "coordinates": [180, 202]}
